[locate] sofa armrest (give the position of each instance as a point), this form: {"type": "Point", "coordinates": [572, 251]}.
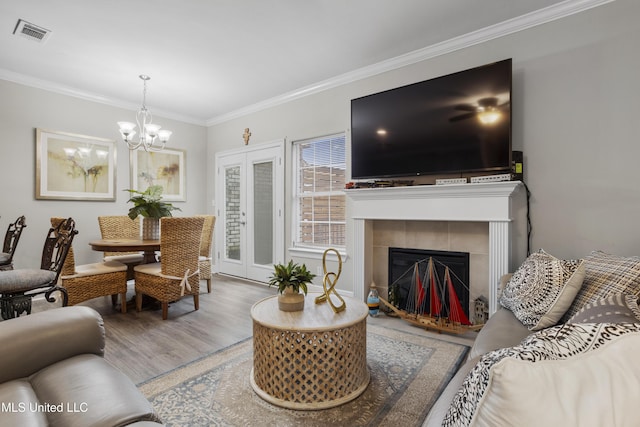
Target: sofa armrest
{"type": "Point", "coordinates": [440, 408]}
{"type": "Point", "coordinates": [33, 342]}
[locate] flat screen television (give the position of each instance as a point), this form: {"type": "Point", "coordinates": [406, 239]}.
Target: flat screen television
{"type": "Point", "coordinates": [455, 124]}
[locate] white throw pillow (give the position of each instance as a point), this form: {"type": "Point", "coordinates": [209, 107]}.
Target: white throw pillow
{"type": "Point", "coordinates": [598, 388]}
{"type": "Point", "coordinates": [582, 374]}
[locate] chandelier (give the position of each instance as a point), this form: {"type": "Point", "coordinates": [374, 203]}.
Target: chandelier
{"type": "Point", "coordinates": [151, 137]}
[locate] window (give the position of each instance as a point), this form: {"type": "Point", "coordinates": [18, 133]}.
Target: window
{"type": "Point", "coordinates": [319, 172]}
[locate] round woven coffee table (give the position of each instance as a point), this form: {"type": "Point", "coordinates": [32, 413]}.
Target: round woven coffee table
{"type": "Point", "coordinates": [309, 359]}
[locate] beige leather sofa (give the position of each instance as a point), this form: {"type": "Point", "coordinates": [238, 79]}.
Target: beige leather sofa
{"type": "Point", "coordinates": [574, 364]}
{"type": "Point", "coordinates": [52, 372]}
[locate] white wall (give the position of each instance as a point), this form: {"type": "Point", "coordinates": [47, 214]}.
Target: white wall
{"type": "Point", "coordinates": [22, 110]}
{"type": "Point", "coordinates": [576, 115]}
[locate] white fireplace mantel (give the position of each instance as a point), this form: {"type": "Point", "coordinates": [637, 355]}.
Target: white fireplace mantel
{"type": "Point", "coordinates": [493, 202]}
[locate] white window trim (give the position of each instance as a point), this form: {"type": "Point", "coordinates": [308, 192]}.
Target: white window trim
{"type": "Point", "coordinates": [298, 249]}
{"type": "Point", "coordinates": [317, 253]}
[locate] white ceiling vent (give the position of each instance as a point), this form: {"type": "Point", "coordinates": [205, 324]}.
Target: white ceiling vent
{"type": "Point", "coordinates": [31, 31]}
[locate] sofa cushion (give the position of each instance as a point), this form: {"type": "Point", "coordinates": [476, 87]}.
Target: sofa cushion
{"type": "Point", "coordinates": [542, 289]}
{"type": "Point", "coordinates": [502, 330]}
{"type": "Point", "coordinates": [618, 308]}
{"type": "Point", "coordinates": [93, 392]}
{"type": "Point", "coordinates": [20, 405]}
{"type": "Point", "coordinates": [606, 275]}
{"type": "Point", "coordinates": [543, 380]}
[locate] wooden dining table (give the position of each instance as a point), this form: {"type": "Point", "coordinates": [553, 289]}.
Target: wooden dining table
{"type": "Point", "coordinates": [148, 247]}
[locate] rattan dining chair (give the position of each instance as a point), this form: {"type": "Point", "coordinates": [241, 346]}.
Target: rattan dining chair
{"type": "Point", "coordinates": [205, 258]}
{"type": "Point", "coordinates": [177, 272]}
{"type": "Point", "coordinates": [88, 281]}
{"type": "Point", "coordinates": [18, 287]}
{"type": "Point", "coordinates": [11, 238]}
{"type": "Point", "coordinates": [121, 227]}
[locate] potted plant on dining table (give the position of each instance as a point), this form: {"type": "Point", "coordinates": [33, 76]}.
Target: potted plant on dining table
{"type": "Point", "coordinates": [149, 204]}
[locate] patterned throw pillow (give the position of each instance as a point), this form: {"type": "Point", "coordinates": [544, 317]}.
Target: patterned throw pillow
{"type": "Point", "coordinates": [546, 377]}
{"type": "Point", "coordinates": [606, 275]}
{"type": "Point", "coordinates": [618, 308]}
{"type": "Point", "coordinates": [542, 289]}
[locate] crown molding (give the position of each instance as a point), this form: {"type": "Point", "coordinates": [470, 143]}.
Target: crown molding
{"type": "Point", "coordinates": [88, 96]}
{"type": "Point", "coordinates": [539, 17]}
{"type": "Point", "coordinates": [511, 26]}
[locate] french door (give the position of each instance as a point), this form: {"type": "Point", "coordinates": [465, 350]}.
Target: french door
{"type": "Point", "coordinates": [250, 210]}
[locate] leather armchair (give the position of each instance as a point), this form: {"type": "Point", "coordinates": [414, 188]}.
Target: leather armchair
{"type": "Point", "coordinates": [53, 373]}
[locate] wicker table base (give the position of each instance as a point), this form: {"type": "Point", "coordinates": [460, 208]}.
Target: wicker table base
{"type": "Point", "coordinates": [310, 359]}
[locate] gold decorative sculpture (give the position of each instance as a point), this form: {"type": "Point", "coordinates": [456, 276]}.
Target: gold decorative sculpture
{"type": "Point", "coordinates": [329, 282]}
{"type": "Point", "coordinates": [246, 135]}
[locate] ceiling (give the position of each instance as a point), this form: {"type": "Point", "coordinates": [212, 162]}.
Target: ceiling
{"type": "Point", "coordinates": [210, 58]}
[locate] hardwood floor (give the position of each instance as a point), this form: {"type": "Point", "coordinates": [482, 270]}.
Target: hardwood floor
{"type": "Point", "coordinates": [144, 346]}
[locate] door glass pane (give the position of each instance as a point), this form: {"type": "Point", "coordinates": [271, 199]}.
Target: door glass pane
{"type": "Point", "coordinates": [232, 210]}
{"type": "Point", "coordinates": [263, 213]}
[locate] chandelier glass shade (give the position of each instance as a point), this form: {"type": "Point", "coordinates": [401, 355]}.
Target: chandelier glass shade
{"type": "Point", "coordinates": [151, 137]}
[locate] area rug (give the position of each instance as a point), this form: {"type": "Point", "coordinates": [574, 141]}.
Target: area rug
{"type": "Point", "coordinates": [408, 373]}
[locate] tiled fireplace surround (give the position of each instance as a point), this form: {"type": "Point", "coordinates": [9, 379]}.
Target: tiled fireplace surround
{"type": "Point", "coordinates": [487, 220]}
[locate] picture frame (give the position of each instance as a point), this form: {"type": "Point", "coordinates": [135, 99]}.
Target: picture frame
{"type": "Point", "coordinates": [74, 167]}
{"type": "Point", "coordinates": [166, 168]}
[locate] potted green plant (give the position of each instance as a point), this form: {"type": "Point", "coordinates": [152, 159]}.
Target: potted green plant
{"type": "Point", "coordinates": [149, 204]}
{"type": "Point", "coordinates": [290, 279]}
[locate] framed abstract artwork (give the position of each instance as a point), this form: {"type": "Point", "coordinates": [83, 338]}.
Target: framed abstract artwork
{"type": "Point", "coordinates": [165, 168]}
{"type": "Point", "coordinates": [74, 167]}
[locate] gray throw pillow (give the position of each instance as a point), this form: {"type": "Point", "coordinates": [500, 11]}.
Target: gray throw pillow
{"type": "Point", "coordinates": [606, 275]}
{"type": "Point", "coordinates": [618, 308]}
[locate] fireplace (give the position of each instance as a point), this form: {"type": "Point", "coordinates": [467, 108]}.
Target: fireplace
{"type": "Point", "coordinates": [401, 267]}
{"type": "Point", "coordinates": [502, 205]}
